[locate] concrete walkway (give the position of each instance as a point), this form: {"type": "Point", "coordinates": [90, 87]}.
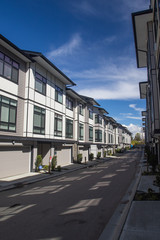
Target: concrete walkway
{"type": "Point", "coordinates": [143, 221]}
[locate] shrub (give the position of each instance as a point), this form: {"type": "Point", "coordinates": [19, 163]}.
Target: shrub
{"type": "Point", "coordinates": [59, 168]}
{"type": "Point", "coordinates": [91, 156]}
{"type": "Point", "coordinates": [38, 162]}
{"type": "Point", "coordinates": [79, 158]}
{"type": "Point", "coordinates": [46, 167]}
{"type": "Point", "coordinates": [53, 163]}
{"type": "Point", "coordinates": [105, 153]}
{"type": "Point", "coordinates": [109, 152]}
{"type": "Point", "coordinates": [98, 155]}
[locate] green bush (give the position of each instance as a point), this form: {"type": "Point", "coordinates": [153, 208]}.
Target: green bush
{"type": "Point", "coordinates": [91, 156]}
{"type": "Point", "coordinates": [109, 153]}
{"type": "Point", "coordinates": [79, 158]}
{"type": "Point", "coordinates": [105, 153]}
{"type": "Point", "coordinates": [53, 163]}
{"type": "Point", "coordinates": [59, 168]}
{"type": "Point", "coordinates": [46, 167]}
{"type": "Point", "coordinates": [38, 162]}
{"type": "Point", "coordinates": [98, 155]}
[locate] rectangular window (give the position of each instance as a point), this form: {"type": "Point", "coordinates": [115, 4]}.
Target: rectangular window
{"type": "Point", "coordinates": [69, 128]}
{"type": "Point", "coordinates": [98, 119]}
{"type": "Point", "coordinates": [90, 133]}
{"type": "Point", "coordinates": [39, 120]}
{"type": "Point", "coordinates": [90, 113]}
{"type": "Point", "coordinates": [105, 137]}
{"type": "Point", "coordinates": [9, 68]}
{"type": "Point", "coordinates": [58, 94]}
{"type": "Point", "coordinates": [98, 135]}
{"type": "Point", "coordinates": [58, 125]}
{"type": "Point", "coordinates": [81, 109]}
{"type": "Point", "coordinates": [8, 112]}
{"type": "Point", "coordinates": [69, 103]}
{"type": "Point", "coordinates": [81, 132]}
{"type": "Point", "coordinates": [40, 84]}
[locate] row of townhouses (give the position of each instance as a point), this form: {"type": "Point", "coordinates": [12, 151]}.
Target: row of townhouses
{"type": "Point", "coordinates": [146, 27]}
{"type": "Point", "coordinates": [40, 113]}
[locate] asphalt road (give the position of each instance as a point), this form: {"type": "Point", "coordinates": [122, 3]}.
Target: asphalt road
{"type": "Point", "coordinates": [76, 206]}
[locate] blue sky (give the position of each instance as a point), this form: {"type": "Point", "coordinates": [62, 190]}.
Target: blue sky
{"type": "Point", "coordinates": [91, 41]}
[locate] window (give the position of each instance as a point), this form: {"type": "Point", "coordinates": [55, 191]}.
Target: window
{"type": "Point", "coordinates": [58, 125]}
{"type": "Point", "coordinates": [69, 103]}
{"type": "Point", "coordinates": [80, 109]}
{"type": "Point", "coordinates": [90, 133]}
{"type": "Point", "coordinates": [98, 119]}
{"type": "Point", "coordinates": [58, 94]}
{"type": "Point", "coordinates": [39, 120]}
{"type": "Point", "coordinates": [8, 112]}
{"type": "Point", "coordinates": [105, 137]}
{"type": "Point", "coordinates": [40, 84]}
{"type": "Point", "coordinates": [69, 128]}
{"type": "Point", "coordinates": [90, 113]}
{"type": "Point", "coordinates": [98, 135]}
{"type": "Point", "coordinates": [9, 68]}
{"type": "Point", "coordinates": [81, 131]}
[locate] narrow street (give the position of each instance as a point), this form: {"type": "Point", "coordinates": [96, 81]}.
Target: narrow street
{"type": "Point", "coordinates": [74, 206]}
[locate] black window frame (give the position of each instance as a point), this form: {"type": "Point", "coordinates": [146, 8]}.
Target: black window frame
{"type": "Point", "coordinates": [58, 118]}
{"type": "Point", "coordinates": [39, 78]}
{"type": "Point", "coordinates": [98, 119]}
{"type": "Point", "coordinates": [90, 133]}
{"type": "Point", "coordinates": [81, 129]}
{"type": "Point", "coordinates": [42, 113]}
{"type": "Point", "coordinates": [98, 135]}
{"type": "Point", "coordinates": [11, 105]}
{"type": "Point", "coordinates": [10, 63]}
{"type": "Point", "coordinates": [58, 92]}
{"type": "Point", "coordinates": [69, 103]}
{"type": "Point", "coordinates": [90, 113]}
{"type": "Point", "coordinates": [69, 128]}
{"type": "Point", "coordinates": [81, 109]}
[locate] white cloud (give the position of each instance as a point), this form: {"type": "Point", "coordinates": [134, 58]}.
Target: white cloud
{"type": "Point", "coordinates": [110, 81]}
{"type": "Point", "coordinates": [134, 128]}
{"type": "Point", "coordinates": [132, 117]}
{"type": "Point", "coordinates": [136, 109]}
{"type": "Point", "coordinates": [119, 90]}
{"type": "Point", "coordinates": [66, 49]}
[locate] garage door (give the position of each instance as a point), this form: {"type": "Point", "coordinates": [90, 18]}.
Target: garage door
{"type": "Point", "coordinates": [14, 161]}
{"type": "Point", "coordinates": [64, 156]}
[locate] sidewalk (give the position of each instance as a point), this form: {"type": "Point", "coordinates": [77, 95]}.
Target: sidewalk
{"type": "Point", "coordinates": [32, 177]}
{"type": "Point", "coordinates": [143, 221]}
{"type": "Point", "coordinates": [135, 220]}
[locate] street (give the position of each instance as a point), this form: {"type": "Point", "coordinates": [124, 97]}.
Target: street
{"type": "Point", "coordinates": [74, 206]}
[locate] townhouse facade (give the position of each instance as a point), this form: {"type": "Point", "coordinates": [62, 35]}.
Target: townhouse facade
{"type": "Point", "coordinates": [40, 114]}
{"type": "Point", "coordinates": [146, 27]}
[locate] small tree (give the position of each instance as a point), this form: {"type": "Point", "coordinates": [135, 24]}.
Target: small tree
{"type": "Point", "coordinates": [137, 137]}
{"type": "Point", "coordinates": [79, 158]}
{"type": "Point", "coordinates": [98, 155]}
{"type": "Point", "coordinates": [54, 163]}
{"type": "Point", "coordinates": [91, 156]}
{"type": "Point", "coordinates": [38, 162]}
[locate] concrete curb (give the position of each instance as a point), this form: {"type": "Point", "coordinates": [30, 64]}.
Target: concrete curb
{"type": "Point", "coordinates": [115, 225]}
{"type": "Point", "coordinates": [22, 182]}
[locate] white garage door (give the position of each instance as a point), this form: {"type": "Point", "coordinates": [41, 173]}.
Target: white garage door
{"type": "Point", "coordinates": [64, 156]}
{"type": "Point", "coordinates": [14, 160]}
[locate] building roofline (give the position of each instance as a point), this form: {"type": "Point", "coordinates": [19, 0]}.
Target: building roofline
{"type": "Point", "coordinates": [15, 47]}
{"type": "Point", "coordinates": [39, 54]}
{"type": "Point", "coordinates": [134, 30]}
